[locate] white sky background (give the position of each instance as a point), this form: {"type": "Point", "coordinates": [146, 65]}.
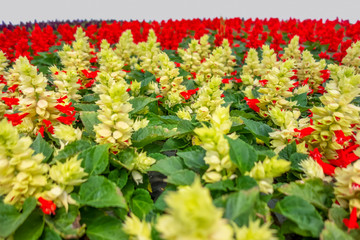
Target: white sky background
{"type": "Point", "coordinates": [43, 10]}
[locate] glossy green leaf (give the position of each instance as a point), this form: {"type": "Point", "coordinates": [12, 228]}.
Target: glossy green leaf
{"type": "Point", "coordinates": [32, 228]}
{"type": "Point", "coordinates": [139, 103]}
{"type": "Point", "coordinates": [167, 166]}
{"type": "Point", "coordinates": [150, 134]}
{"type": "Point", "coordinates": [72, 149]}
{"type": "Point", "coordinates": [11, 219]}
{"type": "Point", "coordinates": [101, 226]}
{"type": "Point", "coordinates": [302, 213]}
{"type": "Point", "coordinates": [332, 232]}
{"type": "Point", "coordinates": [193, 157]}
{"type": "Point", "coordinates": [259, 129]}
{"type": "Point", "coordinates": [41, 146]}
{"type": "Point", "coordinates": [89, 119]}
{"type": "Point", "coordinates": [100, 192]}
{"type": "Point", "coordinates": [141, 203]}
{"type": "Point", "coordinates": [95, 159]}
{"type": "Point", "coordinates": [242, 154]}
{"type": "Point", "coordinates": [181, 177]}
{"type": "Point", "coordinates": [66, 223]}
{"type": "Point", "coordinates": [315, 191]}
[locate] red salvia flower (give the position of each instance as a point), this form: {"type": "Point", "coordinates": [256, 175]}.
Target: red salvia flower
{"type": "Point", "coordinates": [340, 137]}
{"type": "Point", "coordinates": [324, 55]}
{"type": "Point", "coordinates": [225, 80]}
{"type": "Point", "coordinates": [263, 82]}
{"type": "Point", "coordinates": [41, 131]}
{"type": "Point", "coordinates": [67, 109]}
{"type": "Point", "coordinates": [304, 132]}
{"type": "Point", "coordinates": [252, 104]}
{"type": "Point", "coordinates": [10, 101]}
{"type": "Point", "coordinates": [48, 207]}
{"type": "Point", "coordinates": [13, 88]}
{"type": "Point", "coordinates": [61, 100]}
{"type": "Point", "coordinates": [351, 223]}
{"type": "Point", "coordinates": [15, 118]}
{"type": "Point", "coordinates": [185, 95]}
{"type": "Point", "coordinates": [328, 169]}
{"type": "Point", "coordinates": [68, 120]}
{"type": "Point", "coordinates": [89, 74]}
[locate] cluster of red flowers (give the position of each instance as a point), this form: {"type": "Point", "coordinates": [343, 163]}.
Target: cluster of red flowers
{"type": "Point", "coordinates": [253, 33]}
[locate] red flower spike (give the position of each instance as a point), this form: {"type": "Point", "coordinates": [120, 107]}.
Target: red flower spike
{"type": "Point", "coordinates": [340, 137]}
{"type": "Point", "coordinates": [67, 109]}
{"type": "Point", "coordinates": [15, 118]}
{"type": "Point", "coordinates": [13, 88]}
{"type": "Point", "coordinates": [324, 55]}
{"type": "Point", "coordinates": [48, 207]}
{"type": "Point", "coordinates": [68, 120]}
{"type": "Point", "coordinates": [41, 131]}
{"type": "Point", "coordinates": [222, 95]}
{"type": "Point", "coordinates": [304, 132]}
{"type": "Point", "coordinates": [321, 90]}
{"type": "Point", "coordinates": [61, 100]}
{"type": "Point", "coordinates": [252, 104]}
{"type": "Point", "coordinates": [177, 64]}
{"type": "Point", "coordinates": [225, 80]}
{"type": "Point", "coordinates": [10, 101]}
{"type": "Point", "coordinates": [263, 82]}
{"type": "Point", "coordinates": [89, 74]}
{"type": "Point", "coordinates": [306, 81]}
{"type": "Point", "coordinates": [90, 83]}
{"type": "Point", "coordinates": [237, 80]}
{"type": "Point", "coordinates": [185, 95]}
{"type": "Point", "coordinates": [193, 75]}
{"type": "Point", "coordinates": [351, 223]}
{"type": "Point", "coordinates": [159, 96]}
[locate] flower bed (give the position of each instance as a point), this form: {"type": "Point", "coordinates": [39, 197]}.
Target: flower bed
{"type": "Point", "coordinates": [192, 129]}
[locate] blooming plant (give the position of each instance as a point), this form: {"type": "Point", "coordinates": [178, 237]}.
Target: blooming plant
{"type": "Point", "coordinates": [174, 130]}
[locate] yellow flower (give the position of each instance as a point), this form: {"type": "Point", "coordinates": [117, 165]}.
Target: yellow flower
{"type": "Point", "coordinates": [192, 215]}
{"type": "Point", "coordinates": [255, 232]}
{"type": "Point", "coordinates": [69, 173]}
{"type": "Point", "coordinates": [137, 229]}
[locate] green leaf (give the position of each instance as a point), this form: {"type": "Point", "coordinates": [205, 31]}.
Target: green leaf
{"type": "Point", "coordinates": [149, 134]}
{"type": "Point", "coordinates": [120, 177]}
{"type": "Point", "coordinates": [167, 166]}
{"type": "Point", "coordinates": [295, 160]}
{"type": "Point", "coordinates": [124, 158]}
{"type": "Point", "coordinates": [239, 205]}
{"type": "Point", "coordinates": [139, 103]}
{"type": "Point", "coordinates": [332, 232]}
{"type": "Point", "coordinates": [224, 185]}
{"type": "Point", "coordinates": [301, 213]}
{"type": "Point", "coordinates": [193, 157]}
{"type": "Point", "coordinates": [141, 203]}
{"type": "Point", "coordinates": [174, 144]}
{"type": "Point", "coordinates": [95, 159]}
{"type": "Point", "coordinates": [41, 146]}
{"type": "Point", "coordinates": [100, 192]}
{"type": "Point", "coordinates": [181, 177]}
{"type": "Point", "coordinates": [89, 119]}
{"type": "Point", "coordinates": [315, 191]}
{"type": "Point", "coordinates": [100, 226]}
{"type": "Point", "coordinates": [245, 182]}
{"type": "Point", "coordinates": [186, 127]}
{"type": "Point", "coordinates": [32, 228]}
{"type": "Point", "coordinates": [242, 154]}
{"type": "Point", "coordinates": [86, 107]}
{"type": "Point", "coordinates": [148, 77]}
{"type": "Point", "coordinates": [288, 151]}
{"type": "Point", "coordinates": [50, 234]}
{"type": "Point", "coordinates": [258, 129]}
{"type": "Point", "coordinates": [11, 219]}
{"type": "Point", "coordinates": [337, 214]}
{"type": "Point", "coordinates": [66, 223]}
{"type": "Point", "coordinates": [72, 149]}
{"type": "Point", "coordinates": [301, 99]}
